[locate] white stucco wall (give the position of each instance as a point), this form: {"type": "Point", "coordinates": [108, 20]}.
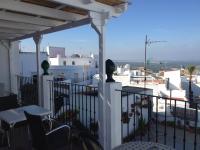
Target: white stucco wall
{"type": "Point", "coordinates": [72, 72]}
{"type": "Point", "coordinates": [60, 61]}
{"type": "Point", "coordinates": [54, 61]}
{"type": "Point", "coordinates": [15, 65]}
{"type": "Point", "coordinates": [4, 65]}
{"type": "Point", "coordinates": [174, 79]}
{"type": "Point", "coordinates": [124, 79]}
{"type": "Point", "coordinates": [28, 62]}
{"type": "Point", "coordinates": [9, 64]}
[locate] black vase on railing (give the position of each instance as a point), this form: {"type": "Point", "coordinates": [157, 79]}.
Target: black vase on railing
{"type": "Point", "coordinates": [110, 68]}
{"type": "Point", "coordinates": [45, 66]}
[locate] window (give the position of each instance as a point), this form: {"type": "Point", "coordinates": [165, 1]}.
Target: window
{"type": "Point", "coordinates": [73, 62]}
{"type": "Point", "coordinates": [64, 63]}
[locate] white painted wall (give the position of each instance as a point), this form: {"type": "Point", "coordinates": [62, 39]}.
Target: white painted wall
{"type": "Point", "coordinates": [70, 72]}
{"type": "Point", "coordinates": [137, 73]}
{"type": "Point", "coordinates": [9, 64]}
{"type": "Point", "coordinates": [4, 65]}
{"type": "Point", "coordinates": [28, 62]}
{"type": "Point", "coordinates": [67, 61]}
{"type": "Point", "coordinates": [54, 61]}
{"type": "Point", "coordinates": [174, 93]}
{"type": "Point", "coordinates": [198, 78]}
{"type": "Point", "coordinates": [15, 65]}
{"type": "Point", "coordinates": [174, 79]}
{"type": "Point", "coordinates": [124, 79]}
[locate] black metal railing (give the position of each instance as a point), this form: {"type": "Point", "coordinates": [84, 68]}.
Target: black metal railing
{"type": "Point", "coordinates": [75, 105]}
{"type": "Point", "coordinates": [165, 120]}
{"type": "Point", "coordinates": [27, 90]}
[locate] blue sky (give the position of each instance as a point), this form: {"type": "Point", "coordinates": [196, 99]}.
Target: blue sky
{"type": "Point", "coordinates": [175, 21]}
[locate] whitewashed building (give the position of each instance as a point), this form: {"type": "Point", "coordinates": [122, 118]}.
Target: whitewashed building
{"type": "Point", "coordinates": [74, 73]}
{"type": "Point", "coordinates": [77, 68]}
{"type": "Point", "coordinates": [57, 57]}
{"type": "Point", "coordinates": [27, 65]}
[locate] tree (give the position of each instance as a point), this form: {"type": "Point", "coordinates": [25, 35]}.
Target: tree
{"type": "Point", "coordinates": [191, 69]}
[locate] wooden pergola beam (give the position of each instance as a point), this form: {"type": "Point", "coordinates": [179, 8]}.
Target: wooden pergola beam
{"type": "Point", "coordinates": [58, 28]}
{"type": "Point", "coordinates": [37, 10]}
{"type": "Point", "coordinates": [21, 18]}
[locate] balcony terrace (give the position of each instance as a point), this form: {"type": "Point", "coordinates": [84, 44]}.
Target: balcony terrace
{"type": "Point", "coordinates": [111, 114]}
{"type": "Point", "coordinates": [142, 116]}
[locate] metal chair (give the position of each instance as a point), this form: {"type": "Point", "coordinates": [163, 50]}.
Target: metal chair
{"type": "Point", "coordinates": [7, 102]}
{"type": "Point", "coordinates": [55, 139]}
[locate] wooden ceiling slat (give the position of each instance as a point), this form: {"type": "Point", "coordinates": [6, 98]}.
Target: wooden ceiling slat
{"type": "Point", "coordinates": [111, 2]}
{"type": "Point", "coordinates": [75, 10]}
{"type": "Point", "coordinates": [50, 4]}
{"type": "Point", "coordinates": [45, 3]}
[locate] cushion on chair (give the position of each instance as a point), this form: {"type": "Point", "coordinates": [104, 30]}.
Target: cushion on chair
{"type": "Point", "coordinates": [8, 102]}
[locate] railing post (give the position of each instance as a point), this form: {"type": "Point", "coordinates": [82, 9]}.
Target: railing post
{"type": "Point", "coordinates": [47, 94]}
{"type": "Point", "coordinates": [113, 114]}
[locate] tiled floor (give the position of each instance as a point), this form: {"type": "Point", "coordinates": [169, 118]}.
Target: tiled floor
{"type": "Point", "coordinates": [189, 144]}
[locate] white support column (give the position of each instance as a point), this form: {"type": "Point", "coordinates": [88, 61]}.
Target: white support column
{"type": "Point", "coordinates": [14, 66]}
{"type": "Point", "coordinates": [98, 23]}
{"type": "Point", "coordinates": [113, 114]}
{"type": "Point", "coordinates": [37, 39]}
{"type": "Point", "coordinates": [7, 46]}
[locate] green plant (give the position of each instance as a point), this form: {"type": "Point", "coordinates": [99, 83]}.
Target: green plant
{"type": "Point", "coordinates": [191, 69]}
{"type": "Point", "coordinates": [142, 125]}
{"type": "Point", "coordinates": [94, 126]}
{"type": "Point", "coordinates": [69, 115]}
{"type": "Point", "coordinates": [170, 123]}
{"type": "Point", "coordinates": [125, 117]}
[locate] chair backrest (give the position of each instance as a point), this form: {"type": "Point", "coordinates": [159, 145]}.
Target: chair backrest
{"type": "Point", "coordinates": [37, 131]}
{"type": "Point", "coordinates": [8, 102]}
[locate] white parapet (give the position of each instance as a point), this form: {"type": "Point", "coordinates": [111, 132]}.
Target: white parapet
{"type": "Point", "coordinates": [46, 95]}
{"type": "Point", "coordinates": [113, 114]}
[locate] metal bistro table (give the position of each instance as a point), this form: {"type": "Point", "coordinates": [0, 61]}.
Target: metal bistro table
{"type": "Point", "coordinates": [13, 116]}
{"type": "Point", "coordinates": [143, 146]}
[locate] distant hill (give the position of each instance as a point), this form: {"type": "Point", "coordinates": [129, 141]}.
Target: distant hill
{"type": "Point", "coordinates": [156, 66]}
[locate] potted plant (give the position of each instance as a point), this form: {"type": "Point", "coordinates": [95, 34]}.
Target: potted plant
{"type": "Point", "coordinates": [141, 126]}
{"type": "Point", "coordinates": [125, 117]}
{"type": "Point", "coordinates": [94, 126]}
